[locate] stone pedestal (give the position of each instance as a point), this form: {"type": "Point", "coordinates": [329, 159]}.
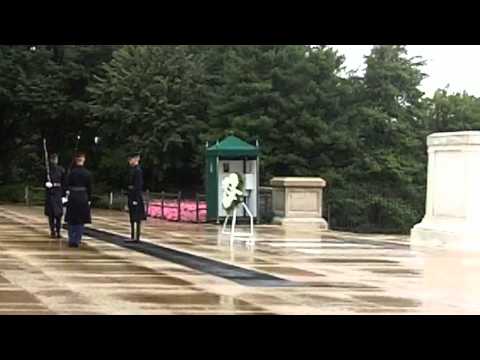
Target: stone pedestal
{"type": "Point", "coordinates": [297, 202]}
{"type": "Point", "coordinates": [452, 216]}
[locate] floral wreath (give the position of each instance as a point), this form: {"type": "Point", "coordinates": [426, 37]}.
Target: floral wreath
{"type": "Point", "coordinates": [233, 187]}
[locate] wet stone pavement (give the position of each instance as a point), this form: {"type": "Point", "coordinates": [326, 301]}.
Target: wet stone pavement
{"type": "Point", "coordinates": [192, 269]}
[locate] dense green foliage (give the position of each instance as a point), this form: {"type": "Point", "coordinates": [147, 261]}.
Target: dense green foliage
{"type": "Point", "coordinates": [364, 134]}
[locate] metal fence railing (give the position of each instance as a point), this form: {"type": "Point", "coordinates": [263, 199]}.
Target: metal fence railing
{"type": "Point", "coordinates": [362, 211]}
{"type": "Point", "coordinates": [169, 206]}
{"type": "Point", "coordinates": [34, 196]}
{"type": "Point", "coordinates": [178, 207]}
{"type": "Point", "coordinates": [266, 205]}
{"type": "Point", "coordinates": [371, 212]}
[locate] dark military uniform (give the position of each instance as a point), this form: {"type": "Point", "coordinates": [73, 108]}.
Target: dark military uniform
{"type": "Point", "coordinates": [53, 199]}
{"type": "Point", "coordinates": [79, 185]}
{"type": "Point", "coordinates": [136, 205]}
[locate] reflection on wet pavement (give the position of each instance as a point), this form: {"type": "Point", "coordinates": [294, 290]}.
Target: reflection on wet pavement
{"type": "Point", "coordinates": [395, 272]}
{"type": "Point", "coordinates": [389, 301]}
{"type": "Point", "coordinates": [333, 273]}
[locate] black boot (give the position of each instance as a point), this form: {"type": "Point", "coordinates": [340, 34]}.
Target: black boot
{"type": "Point", "coordinates": [132, 234]}
{"type": "Point", "coordinates": [58, 227]}
{"type": "Point", "coordinates": [137, 237]}
{"type": "Point", "coordinates": [51, 223]}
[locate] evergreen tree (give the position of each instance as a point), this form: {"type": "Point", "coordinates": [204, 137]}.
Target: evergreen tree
{"type": "Point", "coordinates": [389, 170]}
{"type": "Point", "coordinates": [43, 95]}
{"type": "Point", "coordinates": [283, 96]}
{"type": "Point", "coordinates": [456, 112]}
{"type": "Point", "coordinates": [151, 98]}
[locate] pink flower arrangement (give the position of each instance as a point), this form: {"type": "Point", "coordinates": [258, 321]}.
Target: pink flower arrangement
{"type": "Point", "coordinates": [188, 210]}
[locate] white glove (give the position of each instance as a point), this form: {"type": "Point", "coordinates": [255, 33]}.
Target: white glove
{"type": "Point", "coordinates": [48, 185]}
{"type": "Point", "coordinates": [89, 203]}
{"type": "Point", "coordinates": [64, 200]}
{"type": "Point", "coordinates": [135, 203]}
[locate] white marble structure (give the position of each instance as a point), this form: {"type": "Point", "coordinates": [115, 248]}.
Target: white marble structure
{"type": "Point", "coordinates": [452, 217]}
{"type": "Point", "coordinates": [298, 202]}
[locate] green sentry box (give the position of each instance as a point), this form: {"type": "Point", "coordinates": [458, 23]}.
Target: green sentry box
{"type": "Point", "coordinates": [225, 157]}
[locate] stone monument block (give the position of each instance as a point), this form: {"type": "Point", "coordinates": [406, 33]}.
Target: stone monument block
{"type": "Point", "coordinates": [452, 215]}
{"type": "Point", "coordinates": [298, 201]}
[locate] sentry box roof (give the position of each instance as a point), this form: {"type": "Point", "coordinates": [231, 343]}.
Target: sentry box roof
{"type": "Point", "coordinates": [232, 148]}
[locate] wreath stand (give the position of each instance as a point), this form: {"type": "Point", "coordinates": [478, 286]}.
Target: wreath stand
{"type": "Point", "coordinates": [248, 237]}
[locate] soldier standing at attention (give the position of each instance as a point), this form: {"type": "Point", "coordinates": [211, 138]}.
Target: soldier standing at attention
{"type": "Point", "coordinates": [136, 206]}
{"type": "Point", "coordinates": [55, 196]}
{"type": "Point", "coordinates": [79, 185]}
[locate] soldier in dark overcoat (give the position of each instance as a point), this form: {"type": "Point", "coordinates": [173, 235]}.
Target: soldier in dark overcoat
{"type": "Point", "coordinates": [79, 187]}
{"type": "Point", "coordinates": [55, 195]}
{"type": "Point", "coordinates": [136, 204]}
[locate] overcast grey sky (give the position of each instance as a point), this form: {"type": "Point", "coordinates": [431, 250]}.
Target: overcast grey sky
{"type": "Point", "coordinates": [454, 65]}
